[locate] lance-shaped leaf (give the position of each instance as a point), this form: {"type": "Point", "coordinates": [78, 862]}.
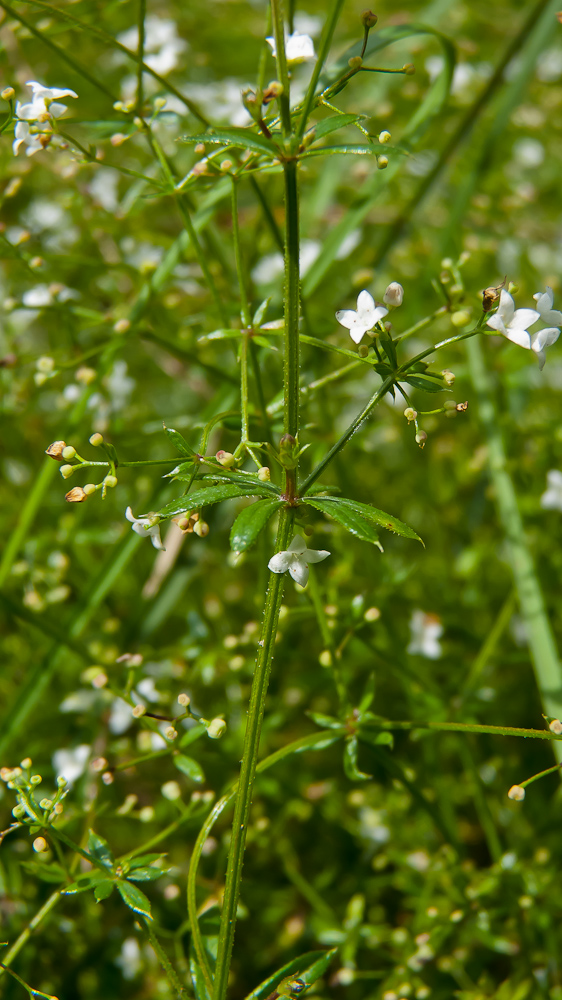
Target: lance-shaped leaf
{"type": "Point", "coordinates": [345, 149]}
{"type": "Point", "coordinates": [350, 764]}
{"type": "Point", "coordinates": [148, 874]}
{"type": "Point", "coordinates": [308, 967]}
{"type": "Point", "coordinates": [374, 515]}
{"type": "Point", "coordinates": [184, 472]}
{"type": "Point", "coordinates": [211, 495]}
{"type": "Point", "coordinates": [250, 522]}
{"type": "Point", "coordinates": [134, 898]}
{"type": "Point", "coordinates": [179, 442]}
{"type": "Point", "coordinates": [332, 124]}
{"type": "Point", "coordinates": [190, 767]}
{"type": "Point", "coordinates": [352, 521]}
{"type": "Point", "coordinates": [325, 721]}
{"type": "Point", "coordinates": [197, 977]}
{"type": "Point", "coordinates": [100, 849]}
{"type": "Point", "coordinates": [103, 889]}
{"type": "Point", "coordinates": [427, 383]}
{"type": "Point", "coordinates": [242, 138]}
{"type": "Point", "coordinates": [145, 859]}
{"type": "Point", "coordinates": [47, 873]}
{"type": "Point", "coordinates": [83, 883]}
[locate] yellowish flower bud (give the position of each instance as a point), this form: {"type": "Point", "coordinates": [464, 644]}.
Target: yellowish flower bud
{"type": "Point", "coordinates": [555, 727]}
{"type": "Point", "coordinates": [460, 318]}
{"type": "Point", "coordinates": [90, 489]}
{"type": "Point", "coordinates": [36, 262]}
{"type": "Point", "coordinates": [225, 458]}
{"type": "Point", "coordinates": [40, 844]}
{"type": "Point", "coordinates": [410, 413]}
{"type": "Point", "coordinates": [118, 139]}
{"type": "Point", "coordinates": [13, 187]}
{"type": "Point", "coordinates": [96, 439]}
{"type": "Point", "coordinates": [368, 19]}
{"type": "Point", "coordinates": [184, 700]}
{"type": "Point", "coordinates": [384, 137]}
{"type": "Point", "coordinates": [325, 658]}
{"type": "Point", "coordinates": [201, 528]}
{"type": "Point", "coordinates": [110, 481]}
{"type": "Point", "coordinates": [372, 615]}
{"type": "Point", "coordinates": [107, 778]}
{"type": "Point", "coordinates": [122, 326]}
{"type": "Point", "coordinates": [160, 103]}
{"type": "Point", "coordinates": [66, 471]}
{"type": "Point", "coordinates": [8, 94]}
{"type": "Point", "coordinates": [138, 711]}
{"type": "Point", "coordinates": [264, 474]}
{"type": "Point", "coordinates": [85, 376]}
{"type": "Point", "coordinates": [355, 62]}
{"type": "Point", "coordinates": [45, 364]}
{"type": "Point", "coordinates": [170, 733]}
{"type": "Point", "coordinates": [216, 728]}
{"type": "Point", "coordinates": [68, 453]}
{"type": "Point", "coordinates": [26, 763]}
{"type": "Point", "coordinates": [517, 793]}
{"type": "Point", "coordinates": [382, 162]}
{"type": "Point", "coordinates": [409, 69]}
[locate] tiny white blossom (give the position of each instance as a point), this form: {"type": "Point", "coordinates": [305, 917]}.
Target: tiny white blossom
{"type": "Point", "coordinates": [542, 339]}
{"type": "Point", "coordinates": [364, 318]}
{"type": "Point", "coordinates": [394, 294]}
{"type": "Point", "coordinates": [512, 322]}
{"type": "Point", "coordinates": [545, 302]}
{"type": "Point", "coordinates": [143, 526]}
{"type": "Point", "coordinates": [426, 630]}
{"type": "Point", "coordinates": [43, 106]}
{"type": "Point", "coordinates": [297, 47]}
{"type": "Point", "coordinates": [296, 559]}
{"type": "Point", "coordinates": [552, 497]}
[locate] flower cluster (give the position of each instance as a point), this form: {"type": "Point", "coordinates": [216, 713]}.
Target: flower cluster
{"type": "Point", "coordinates": [359, 321]}
{"type": "Point", "coordinates": [514, 323]}
{"type": "Point", "coordinates": [297, 47]}
{"type": "Point", "coordinates": [42, 108]}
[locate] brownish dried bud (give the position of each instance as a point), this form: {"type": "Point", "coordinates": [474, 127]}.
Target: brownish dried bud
{"type": "Point", "coordinates": [409, 69]}
{"type": "Point", "coordinates": [368, 19]}
{"type": "Point", "coordinates": [77, 495]}
{"type": "Point", "coordinates": [461, 407]}
{"type": "Point", "coordinates": [272, 92]}
{"type": "Point", "coordinates": [55, 450]}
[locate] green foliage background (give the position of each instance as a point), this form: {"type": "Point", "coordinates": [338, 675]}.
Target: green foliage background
{"type": "Point", "coordinates": [428, 844]}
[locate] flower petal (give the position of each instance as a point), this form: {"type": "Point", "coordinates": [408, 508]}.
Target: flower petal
{"type": "Point", "coordinates": [279, 563]}
{"type": "Point", "coordinates": [506, 307]}
{"type": "Point", "coordinates": [496, 323]}
{"type": "Point", "coordinates": [346, 317]}
{"type": "Point", "coordinates": [129, 515]}
{"type": "Point", "coordinates": [298, 544]}
{"type": "Point", "coordinates": [299, 571]}
{"type": "Point", "coordinates": [524, 318]}
{"type": "Point", "coordinates": [544, 300]}
{"type": "Point", "coordinates": [520, 337]}
{"type": "Point", "coordinates": [544, 338]}
{"type": "Point", "coordinates": [315, 555]}
{"type": "Point", "coordinates": [154, 533]}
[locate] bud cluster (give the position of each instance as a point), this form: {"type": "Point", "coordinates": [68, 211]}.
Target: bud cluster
{"type": "Point", "coordinates": [66, 453]}
{"type": "Point", "coordinates": [28, 811]}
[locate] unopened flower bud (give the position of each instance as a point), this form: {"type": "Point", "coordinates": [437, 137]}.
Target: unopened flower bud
{"type": "Point", "coordinates": [160, 103]}
{"type": "Point", "coordinates": [449, 404]}
{"type": "Point", "coordinates": [96, 439]}
{"type": "Point", "coordinates": [26, 763]}
{"type": "Point", "coordinates": [100, 680]}
{"type": "Point", "coordinates": [410, 413]}
{"type": "Point", "coordinates": [118, 139]}
{"type": "Point", "coordinates": [216, 728]}
{"type": "Point", "coordinates": [226, 165]}
{"type": "Point", "coordinates": [139, 711]}
{"type": "Point", "coordinates": [517, 793]}
{"type": "Point", "coordinates": [18, 812]}
{"type": "Point", "coordinates": [409, 69]}
{"type": "Point", "coordinates": [58, 808]}
{"type": "Point", "coordinates": [184, 700]}
{"type": "Point", "coordinates": [288, 451]}
{"type": "Point", "coordinates": [110, 481]}
{"type": "Point", "coordinates": [200, 148]}
{"type": "Point", "coordinates": [8, 94]}
{"type": "Point", "coordinates": [421, 438]}
{"type": "Point", "coordinates": [90, 489]}
{"type": "Point", "coordinates": [264, 474]}
{"type": "Point", "coordinates": [355, 62]}
{"type": "Point", "coordinates": [45, 364]}
{"type": "Point", "coordinates": [46, 804]}
{"type": "Point", "coordinates": [394, 294]}
{"type": "Point", "coordinates": [40, 844]}
{"type": "Point", "coordinates": [368, 19]}
{"type": "Point", "coordinates": [555, 727]}
{"type": "Point", "coordinates": [382, 162]}
{"type": "Point", "coordinates": [272, 92]}
{"type": "Point", "coordinates": [513, 288]}
{"type": "Point", "coordinates": [225, 458]}
{"type": "Point", "coordinates": [363, 351]}
{"type": "Point", "coordinates": [107, 778]}
{"type": "Point", "coordinates": [201, 528]}
{"type": "Point", "coordinates": [448, 377]}
{"type": "Point", "coordinates": [85, 376]}
{"type": "Point", "coordinates": [460, 318]}
{"type": "Point", "coordinates": [55, 450]}
{"type": "Point", "coordinates": [122, 325]}
{"type": "Point", "coordinates": [384, 137]}
{"type": "Point", "coordinates": [325, 658]}
{"type": "Point", "coordinates": [36, 779]}
{"type": "Point", "coordinates": [66, 471]}
{"type": "Point", "coordinates": [99, 764]}
{"type": "Point", "coordinates": [36, 262]}
{"type": "Point", "coordinates": [183, 523]}
{"type": "Point", "coordinates": [170, 733]}
{"type": "Point", "coordinates": [68, 453]}
{"type": "Point", "coordinates": [77, 495]}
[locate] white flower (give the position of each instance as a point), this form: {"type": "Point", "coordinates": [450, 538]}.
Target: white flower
{"type": "Point", "coordinates": [36, 297]}
{"type": "Point", "coordinates": [513, 323]}
{"type": "Point", "coordinates": [296, 559]}
{"type": "Point", "coordinates": [394, 294]}
{"type": "Point", "coordinates": [297, 47]}
{"type": "Point", "coordinates": [43, 105]}
{"type": "Point", "coordinates": [542, 339]}
{"type": "Point", "coordinates": [23, 135]}
{"type": "Point", "coordinates": [544, 302]}
{"type": "Point", "coordinates": [162, 44]}
{"type": "Point", "coordinates": [365, 318]}
{"type": "Point", "coordinates": [70, 764]}
{"type": "Point", "coordinates": [552, 497]}
{"type": "Point", "coordinates": [426, 630]}
{"type": "Point", "coordinates": [144, 526]}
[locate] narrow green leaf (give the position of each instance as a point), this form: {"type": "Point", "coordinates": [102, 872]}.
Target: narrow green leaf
{"type": "Point", "coordinates": [242, 138]}
{"type": "Point", "coordinates": [351, 520]}
{"type": "Point", "coordinates": [250, 522]}
{"type": "Point", "coordinates": [179, 442]}
{"type": "Point", "coordinates": [103, 889]}
{"type": "Point", "coordinates": [190, 767]}
{"type": "Point", "coordinates": [100, 849]}
{"type": "Point", "coordinates": [333, 124]}
{"type": "Point", "coordinates": [385, 740]}
{"type": "Point", "coordinates": [353, 149]}
{"type": "Point", "coordinates": [426, 383]}
{"type": "Point", "coordinates": [47, 873]}
{"type": "Point", "coordinates": [84, 883]}
{"type": "Point", "coordinates": [350, 765]}
{"type": "Point", "coordinates": [260, 312]}
{"type": "Point", "coordinates": [197, 977]}
{"type": "Point", "coordinates": [147, 874]}
{"type": "Point", "coordinates": [324, 721]}
{"type": "Point", "coordinates": [368, 694]}
{"type": "Point", "coordinates": [211, 495]}
{"type": "Point", "coordinates": [134, 898]}
{"type": "Point", "coordinates": [308, 967]}
{"type": "Point", "coordinates": [374, 515]}
{"type": "Point", "coordinates": [145, 859]}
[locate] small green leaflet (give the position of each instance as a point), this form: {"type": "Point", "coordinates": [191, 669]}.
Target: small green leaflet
{"type": "Point", "coordinates": [206, 497]}
{"type": "Point", "coordinates": [350, 764]}
{"type": "Point", "coordinates": [243, 138]}
{"type": "Point", "coordinates": [179, 442]}
{"type": "Point", "coordinates": [190, 767]}
{"type": "Point", "coordinates": [308, 967]}
{"type": "Point", "coordinates": [134, 898]}
{"type": "Point", "coordinates": [357, 149]}
{"type": "Point", "coordinates": [427, 383]}
{"type": "Point", "coordinates": [250, 522]}
{"type": "Point", "coordinates": [332, 124]}
{"type": "Point", "coordinates": [103, 889]}
{"type": "Point", "coordinates": [100, 849]}
{"type": "Point", "coordinates": [348, 518]}
{"type": "Point", "coordinates": [148, 874]}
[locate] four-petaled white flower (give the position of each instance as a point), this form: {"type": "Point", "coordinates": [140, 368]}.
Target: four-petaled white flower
{"type": "Point", "coordinates": [144, 526]}
{"type": "Point", "coordinates": [544, 338]}
{"type": "Point", "coordinates": [297, 47]}
{"type": "Point", "coordinates": [296, 559]}
{"type": "Point", "coordinates": [42, 107]}
{"type": "Point", "coordinates": [394, 294]}
{"type": "Point", "coordinates": [512, 322]}
{"type": "Point", "coordinates": [364, 318]}
{"type": "Point", "coordinates": [426, 630]}
{"type": "Point", "coordinates": [552, 497]}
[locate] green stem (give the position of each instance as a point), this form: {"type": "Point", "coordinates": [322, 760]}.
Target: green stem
{"type": "Point", "coordinates": [542, 643]}
{"type": "Point", "coordinates": [169, 971]}
{"type": "Point", "coordinates": [140, 55]}
{"type": "Point", "coordinates": [244, 308]}
{"type": "Point", "coordinates": [465, 727]}
{"type": "Point", "coordinates": [291, 302]}
{"type": "Point", "coordinates": [30, 508]}
{"type": "Point", "coordinates": [249, 762]}
{"type": "Point", "coordinates": [325, 42]}
{"type": "Point", "coordinates": [277, 14]}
